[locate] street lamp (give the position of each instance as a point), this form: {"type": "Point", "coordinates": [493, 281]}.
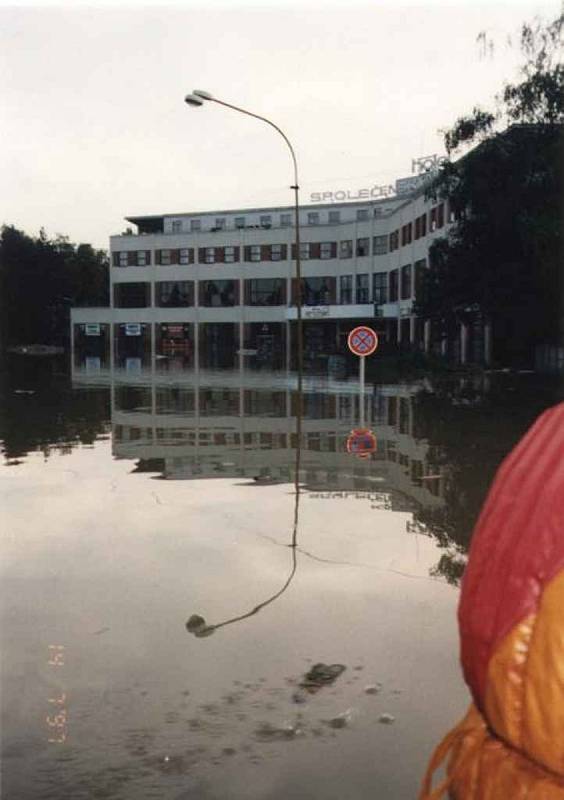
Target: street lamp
{"type": "Point", "coordinates": [199, 98]}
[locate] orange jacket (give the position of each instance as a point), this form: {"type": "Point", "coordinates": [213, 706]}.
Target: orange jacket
{"type": "Point", "coordinates": [510, 746]}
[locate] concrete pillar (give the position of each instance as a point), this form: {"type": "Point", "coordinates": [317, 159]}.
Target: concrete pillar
{"type": "Point", "coordinates": [427, 335]}
{"type": "Point", "coordinates": [463, 343]}
{"type": "Point", "coordinates": [72, 335]}
{"type": "Point", "coordinates": [288, 345]}
{"type": "Point", "coordinates": [487, 343]}
{"type": "Point", "coordinates": [412, 330]}
{"type": "Point", "coordinates": [398, 331]}
{"type": "Point", "coordinates": [113, 339]}
{"type": "Point", "coordinates": [196, 346]}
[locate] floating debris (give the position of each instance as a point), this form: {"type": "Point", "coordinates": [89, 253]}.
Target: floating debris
{"type": "Point", "coordinates": [386, 719]}
{"type": "Point", "coordinates": [321, 675]}
{"type": "Point", "coordinates": [272, 733]}
{"type": "Point", "coordinates": [341, 720]}
{"type": "Point", "coordinates": [373, 688]}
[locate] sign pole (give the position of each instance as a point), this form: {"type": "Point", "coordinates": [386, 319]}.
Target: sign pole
{"type": "Point", "coordinates": [362, 341]}
{"type": "Point", "coordinates": [362, 360]}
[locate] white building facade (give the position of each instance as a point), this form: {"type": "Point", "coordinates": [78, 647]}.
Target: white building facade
{"type": "Point", "coordinates": [215, 284]}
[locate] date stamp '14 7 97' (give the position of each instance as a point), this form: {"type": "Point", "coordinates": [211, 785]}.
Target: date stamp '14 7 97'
{"type": "Point", "coordinates": [56, 721]}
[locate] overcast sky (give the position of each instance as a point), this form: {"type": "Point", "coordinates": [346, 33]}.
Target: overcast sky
{"type": "Point", "coordinates": [94, 127]}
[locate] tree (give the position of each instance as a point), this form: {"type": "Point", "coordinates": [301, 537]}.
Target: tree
{"type": "Point", "coordinates": [40, 279]}
{"type": "Point", "coordinates": [501, 260]}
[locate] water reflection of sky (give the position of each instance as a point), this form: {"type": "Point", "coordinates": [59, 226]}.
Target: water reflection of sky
{"type": "Point", "coordinates": [113, 576]}
{"type": "Point", "coordinates": [106, 561]}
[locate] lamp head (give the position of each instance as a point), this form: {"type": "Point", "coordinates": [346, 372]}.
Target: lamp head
{"type": "Point", "coordinates": [202, 94]}
{"type": "Point", "coordinates": [192, 100]}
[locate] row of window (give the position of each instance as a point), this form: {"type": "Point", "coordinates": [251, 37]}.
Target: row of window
{"type": "Point", "coordinates": [251, 253]}
{"type": "Point", "coordinates": [412, 231]}
{"type": "Point", "coordinates": [279, 252]}
{"type": "Point", "coordinates": [285, 220]}
{"type": "Point", "coordinates": [316, 291]}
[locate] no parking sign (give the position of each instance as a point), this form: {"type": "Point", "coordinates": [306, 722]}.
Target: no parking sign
{"type": "Point", "coordinates": [362, 341]}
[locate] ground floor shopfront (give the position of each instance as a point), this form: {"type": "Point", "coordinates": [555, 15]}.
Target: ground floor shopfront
{"type": "Point", "coordinates": [223, 344]}
{"type": "Point", "coordinates": [103, 336]}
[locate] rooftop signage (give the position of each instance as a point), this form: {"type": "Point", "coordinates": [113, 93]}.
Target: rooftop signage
{"type": "Point", "coordinates": [422, 168]}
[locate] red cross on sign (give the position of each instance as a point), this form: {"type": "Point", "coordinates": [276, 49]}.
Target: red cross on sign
{"type": "Point", "coordinates": [362, 341]}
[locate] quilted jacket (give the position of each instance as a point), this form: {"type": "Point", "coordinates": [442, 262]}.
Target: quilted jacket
{"type": "Point", "coordinates": [510, 745]}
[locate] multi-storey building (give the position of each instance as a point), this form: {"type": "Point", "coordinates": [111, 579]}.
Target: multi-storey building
{"type": "Point", "coordinates": [215, 284]}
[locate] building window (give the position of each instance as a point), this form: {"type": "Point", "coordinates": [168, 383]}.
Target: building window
{"type": "Point", "coordinates": [378, 211]}
{"type": "Point", "coordinates": [433, 220]}
{"type": "Point", "coordinates": [266, 292]}
{"type": "Point", "coordinates": [239, 222]}
{"type": "Point", "coordinates": [286, 220]}
{"type": "Point", "coordinates": [327, 250]}
{"type": "Point", "coordinates": [362, 214]}
{"type": "Point", "coordinates": [346, 249]}
{"type": "Point", "coordinates": [406, 234]}
{"type": "Point", "coordinates": [209, 255]}
{"type": "Point", "coordinates": [319, 291]}
{"type": "Point", "coordinates": [254, 252]}
{"type": "Point", "coordinates": [304, 250]}
{"type": "Point", "coordinates": [393, 286]}
{"type": "Point", "coordinates": [174, 294]}
{"type": "Point", "coordinates": [229, 255]}
{"type": "Point", "coordinates": [123, 259]}
{"type": "Point", "coordinates": [277, 252]}
{"type": "Point", "coordinates": [362, 289]}
{"type": "Point", "coordinates": [440, 215]}
{"type": "Point", "coordinates": [394, 241]}
{"type": "Point", "coordinates": [219, 224]}
{"type": "Point", "coordinates": [219, 294]}
{"type": "Point", "coordinates": [406, 282]}
{"type": "Point", "coordinates": [177, 226]}
{"type": "Point", "coordinates": [334, 217]}
{"type": "Point", "coordinates": [363, 247]}
{"type": "Point", "coordinates": [184, 256]}
{"type": "Point", "coordinates": [143, 258]}
{"type": "Point", "coordinates": [380, 245]}
{"type": "Point", "coordinates": [419, 268]}
{"type": "Point", "coordinates": [380, 291]}
{"type": "Point", "coordinates": [195, 225]}
{"type": "Point", "coordinates": [165, 257]}
{"type": "Point", "coordinates": [346, 287]}
{"type": "Point", "coordinates": [266, 221]}
{"type": "Point", "coordinates": [313, 218]}
{"type": "Point", "coordinates": [132, 295]}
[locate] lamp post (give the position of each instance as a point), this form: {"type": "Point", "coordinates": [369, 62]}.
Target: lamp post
{"type": "Point", "coordinates": [198, 98]}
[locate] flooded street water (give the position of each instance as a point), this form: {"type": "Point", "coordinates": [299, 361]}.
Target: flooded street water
{"type": "Point", "coordinates": [137, 501]}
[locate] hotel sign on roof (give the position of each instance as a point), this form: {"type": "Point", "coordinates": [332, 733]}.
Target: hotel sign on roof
{"type": "Point", "coordinates": [421, 168]}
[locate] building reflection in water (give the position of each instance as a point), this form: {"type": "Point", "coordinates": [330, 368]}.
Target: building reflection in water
{"type": "Point", "coordinates": [185, 424]}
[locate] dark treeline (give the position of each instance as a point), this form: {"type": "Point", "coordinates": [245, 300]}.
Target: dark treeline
{"type": "Point", "coordinates": [40, 411]}
{"type": "Point", "coordinates": [40, 279]}
{"type": "Point", "coordinates": [501, 262]}
{"type": "Point", "coordinates": [471, 424]}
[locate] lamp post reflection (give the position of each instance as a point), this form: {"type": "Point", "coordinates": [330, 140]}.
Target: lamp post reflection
{"type": "Point", "coordinates": [198, 626]}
